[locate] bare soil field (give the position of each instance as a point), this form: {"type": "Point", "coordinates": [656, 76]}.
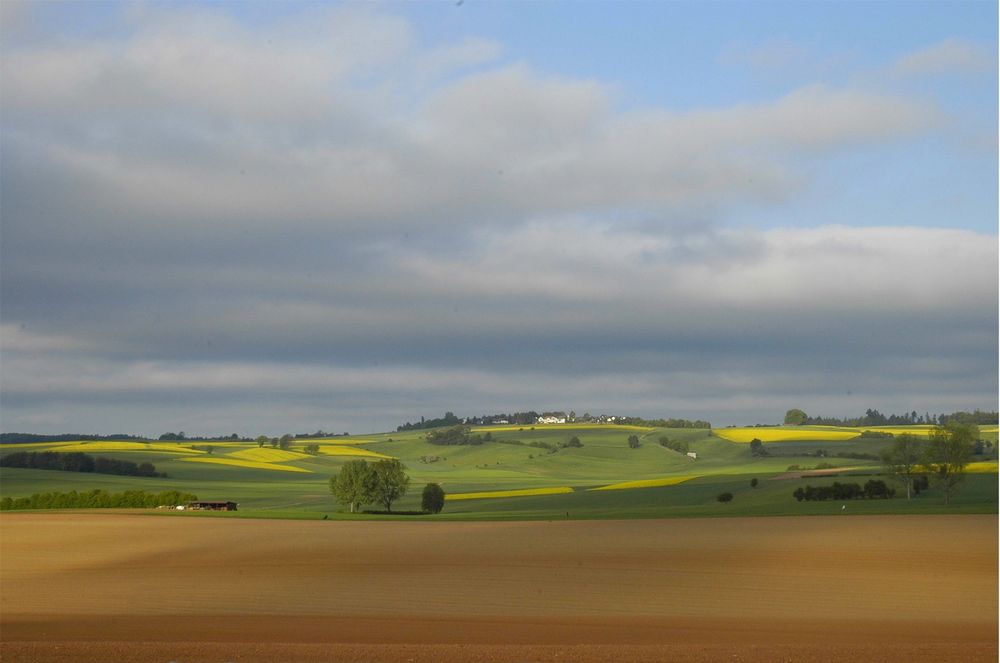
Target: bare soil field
{"type": "Point", "coordinates": [112, 587]}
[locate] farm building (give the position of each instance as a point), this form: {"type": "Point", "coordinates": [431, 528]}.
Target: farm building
{"type": "Point", "coordinates": [692, 455]}
{"type": "Point", "coordinates": [211, 506]}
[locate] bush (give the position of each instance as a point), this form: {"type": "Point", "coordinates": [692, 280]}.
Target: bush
{"type": "Point", "coordinates": [680, 446]}
{"type": "Point", "coordinates": [753, 482]}
{"type": "Point", "coordinates": [725, 497]}
{"type": "Point", "coordinates": [432, 499]}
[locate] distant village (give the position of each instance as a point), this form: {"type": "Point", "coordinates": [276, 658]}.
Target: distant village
{"type": "Point", "coordinates": [531, 418]}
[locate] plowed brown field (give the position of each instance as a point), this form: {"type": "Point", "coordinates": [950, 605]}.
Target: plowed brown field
{"type": "Point", "coordinates": [112, 587]}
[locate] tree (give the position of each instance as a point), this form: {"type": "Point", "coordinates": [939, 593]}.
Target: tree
{"type": "Point", "coordinates": [355, 484]}
{"type": "Point", "coordinates": [633, 442]}
{"type": "Point", "coordinates": [262, 440]}
{"type": "Point", "coordinates": [753, 482]}
{"type": "Point", "coordinates": [432, 499]}
{"type": "Point", "coordinates": [725, 497]}
{"type": "Point", "coordinates": [795, 417]}
{"type": "Point", "coordinates": [757, 448]}
{"type": "Point", "coordinates": [903, 460]}
{"type": "Point", "coordinates": [948, 452]}
{"type": "Point", "coordinates": [285, 442]}
{"type": "Point", "coordinates": [391, 482]}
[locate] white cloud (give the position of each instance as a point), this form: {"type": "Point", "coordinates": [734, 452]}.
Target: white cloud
{"type": "Point", "coordinates": [197, 117]}
{"type": "Point", "coordinates": [949, 56]}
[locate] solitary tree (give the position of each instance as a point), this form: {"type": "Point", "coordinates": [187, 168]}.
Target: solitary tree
{"type": "Point", "coordinates": [795, 417]}
{"type": "Point", "coordinates": [391, 481]}
{"type": "Point", "coordinates": [432, 500]}
{"type": "Point", "coordinates": [633, 442]}
{"type": "Point", "coordinates": [902, 460]}
{"type": "Point", "coordinates": [948, 452]}
{"type": "Point", "coordinates": [355, 484]}
{"type": "Point", "coordinates": [753, 482]}
{"type": "Point", "coordinates": [262, 440]}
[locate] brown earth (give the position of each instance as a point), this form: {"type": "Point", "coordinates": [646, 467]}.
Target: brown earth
{"type": "Point", "coordinates": [100, 587]}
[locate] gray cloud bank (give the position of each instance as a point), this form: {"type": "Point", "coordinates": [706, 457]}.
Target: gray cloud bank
{"type": "Point", "coordinates": [331, 225]}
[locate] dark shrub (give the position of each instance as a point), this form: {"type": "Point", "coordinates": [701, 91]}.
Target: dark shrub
{"type": "Point", "coordinates": [432, 499]}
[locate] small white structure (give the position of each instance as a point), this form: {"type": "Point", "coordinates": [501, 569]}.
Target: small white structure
{"type": "Point", "coordinates": [692, 455]}
{"type": "Point", "coordinates": [551, 420]}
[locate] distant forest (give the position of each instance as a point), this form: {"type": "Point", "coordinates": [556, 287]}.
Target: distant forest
{"type": "Point", "coordinates": [28, 438]}
{"type": "Point", "coordinates": [876, 418]}
{"type": "Point", "coordinates": [75, 461]}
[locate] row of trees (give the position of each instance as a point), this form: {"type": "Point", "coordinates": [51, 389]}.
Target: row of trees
{"type": "Point", "coordinates": [872, 417]}
{"type": "Point", "coordinates": [97, 499]}
{"type": "Point", "coordinates": [872, 490]}
{"type": "Point", "coordinates": [78, 462]}
{"type": "Point", "coordinates": [33, 438]}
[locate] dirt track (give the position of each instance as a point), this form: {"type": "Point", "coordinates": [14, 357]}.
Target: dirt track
{"type": "Point", "coordinates": [97, 587]}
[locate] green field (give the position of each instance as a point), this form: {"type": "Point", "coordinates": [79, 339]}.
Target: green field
{"type": "Point", "coordinates": [604, 478]}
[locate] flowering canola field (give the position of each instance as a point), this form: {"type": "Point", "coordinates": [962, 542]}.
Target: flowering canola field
{"type": "Point", "coordinates": [647, 483]}
{"type": "Point", "coordinates": [266, 455]}
{"type": "Point", "coordinates": [122, 446]}
{"type": "Point", "coordinates": [769, 434]}
{"type": "Point", "coordinates": [523, 492]}
{"type": "Point", "coordinates": [334, 450]}
{"type": "Point", "coordinates": [257, 465]}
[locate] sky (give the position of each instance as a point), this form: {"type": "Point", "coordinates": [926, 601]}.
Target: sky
{"type": "Point", "coordinates": [289, 217]}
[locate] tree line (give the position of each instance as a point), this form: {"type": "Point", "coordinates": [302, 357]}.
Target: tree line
{"type": "Point", "coordinates": [872, 417]}
{"type": "Point", "coordinates": [873, 489]}
{"type": "Point", "coordinates": [33, 438]}
{"type": "Point", "coordinates": [97, 499]}
{"type": "Point", "coordinates": [78, 462]}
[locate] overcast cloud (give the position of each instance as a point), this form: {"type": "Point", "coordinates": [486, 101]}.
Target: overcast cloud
{"type": "Point", "coordinates": [329, 221]}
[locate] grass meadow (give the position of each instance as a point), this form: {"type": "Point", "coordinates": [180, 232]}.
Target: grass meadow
{"type": "Point", "coordinates": [508, 478]}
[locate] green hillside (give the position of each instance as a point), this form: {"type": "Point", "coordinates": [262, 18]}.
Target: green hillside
{"type": "Point", "coordinates": [293, 483]}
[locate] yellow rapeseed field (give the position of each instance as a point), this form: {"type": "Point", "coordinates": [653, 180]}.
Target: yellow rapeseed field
{"type": "Point", "coordinates": [773, 434]}
{"type": "Point", "coordinates": [983, 467]}
{"type": "Point", "coordinates": [922, 431]}
{"type": "Point", "coordinates": [333, 450]}
{"type": "Point", "coordinates": [235, 462]}
{"type": "Point", "coordinates": [522, 492]}
{"type": "Point", "coordinates": [124, 446]}
{"type": "Point", "coordinates": [646, 483]}
{"type": "Point", "coordinates": [332, 440]}
{"type": "Point", "coordinates": [265, 455]}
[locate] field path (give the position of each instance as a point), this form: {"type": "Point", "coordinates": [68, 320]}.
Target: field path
{"type": "Point", "coordinates": [99, 587]}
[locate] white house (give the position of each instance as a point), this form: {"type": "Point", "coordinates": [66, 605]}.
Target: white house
{"type": "Point", "coordinates": [551, 420]}
{"type": "Point", "coordinates": [692, 455]}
